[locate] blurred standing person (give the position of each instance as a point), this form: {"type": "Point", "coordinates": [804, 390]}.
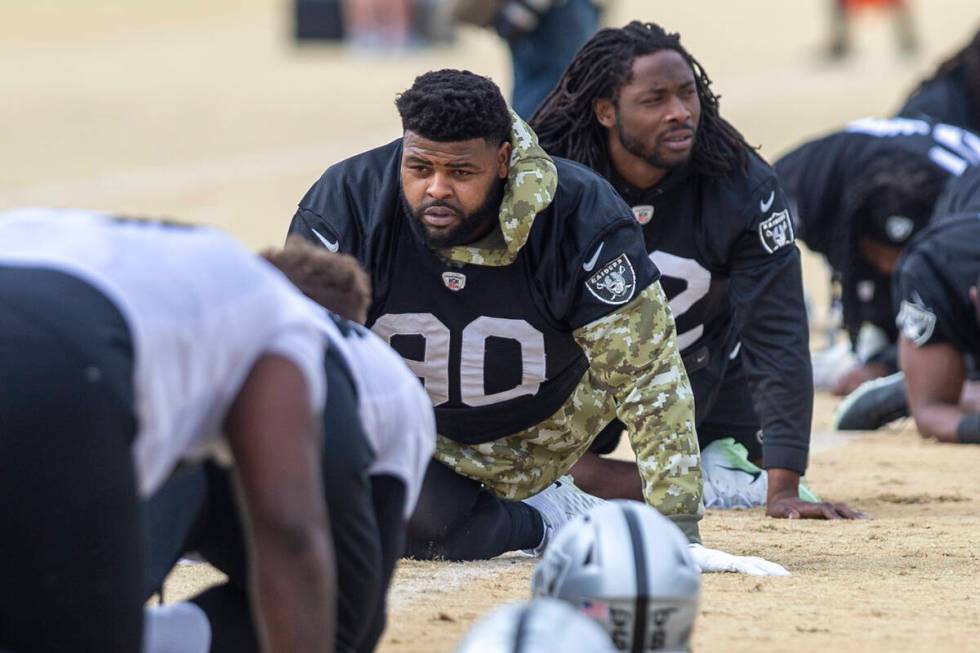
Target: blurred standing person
{"type": "Point", "coordinates": [378, 24]}
{"type": "Point", "coordinates": [542, 36]}
{"type": "Point", "coordinates": [842, 12]}
{"type": "Point", "coordinates": [952, 94]}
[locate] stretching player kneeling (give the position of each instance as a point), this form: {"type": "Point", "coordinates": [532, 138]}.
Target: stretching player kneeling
{"type": "Point", "coordinates": [379, 434]}
{"type": "Point", "coordinates": [936, 298]}
{"type": "Point", "coordinates": [518, 289]}
{"type": "Point", "coordinates": [126, 347]}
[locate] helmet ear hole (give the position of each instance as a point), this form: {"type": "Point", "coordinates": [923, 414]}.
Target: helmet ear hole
{"type": "Point", "coordinates": [589, 555]}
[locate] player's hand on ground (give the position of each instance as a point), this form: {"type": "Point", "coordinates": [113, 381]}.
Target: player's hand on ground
{"type": "Point", "coordinates": [715, 561]}
{"type": "Point", "coordinates": [790, 507]}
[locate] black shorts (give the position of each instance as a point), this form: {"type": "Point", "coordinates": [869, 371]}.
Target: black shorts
{"type": "Point", "coordinates": [71, 549]}
{"type": "Point", "coordinates": [722, 404]}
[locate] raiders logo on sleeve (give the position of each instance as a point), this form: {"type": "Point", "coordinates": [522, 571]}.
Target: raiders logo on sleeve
{"type": "Point", "coordinates": [615, 282]}
{"type": "Point", "coordinates": [776, 231]}
{"type": "Point", "coordinates": [915, 322]}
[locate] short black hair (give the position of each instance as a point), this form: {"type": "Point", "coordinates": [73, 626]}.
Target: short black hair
{"type": "Point", "coordinates": [455, 105]}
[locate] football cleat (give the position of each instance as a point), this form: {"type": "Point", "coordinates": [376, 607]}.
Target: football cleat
{"type": "Point", "coordinates": [557, 503]}
{"type": "Point", "coordinates": [731, 480]}
{"type": "Point", "coordinates": [874, 404]}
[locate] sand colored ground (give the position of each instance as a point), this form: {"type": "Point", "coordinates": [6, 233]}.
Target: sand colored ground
{"type": "Point", "coordinates": [205, 111]}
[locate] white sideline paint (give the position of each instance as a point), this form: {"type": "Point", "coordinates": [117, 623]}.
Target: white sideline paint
{"type": "Point", "coordinates": [447, 577]}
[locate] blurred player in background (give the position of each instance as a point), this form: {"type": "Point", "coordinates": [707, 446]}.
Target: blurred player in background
{"type": "Point", "coordinates": [952, 94]}
{"type": "Point", "coordinates": [936, 296]}
{"type": "Point", "coordinates": [125, 348]}
{"type": "Point", "coordinates": [518, 289]}
{"type": "Point", "coordinates": [635, 106]}
{"type": "Point", "coordinates": [842, 16]}
{"type": "Point", "coordinates": [859, 195]}
{"type": "Point", "coordinates": [542, 37]}
{"type": "Point", "coordinates": [379, 437]}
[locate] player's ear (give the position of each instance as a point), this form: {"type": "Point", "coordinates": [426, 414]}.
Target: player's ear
{"type": "Point", "coordinates": [503, 159]}
{"type": "Point", "coordinates": [605, 112]}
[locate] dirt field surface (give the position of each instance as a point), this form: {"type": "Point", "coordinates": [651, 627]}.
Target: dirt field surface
{"type": "Point", "coordinates": [205, 111]}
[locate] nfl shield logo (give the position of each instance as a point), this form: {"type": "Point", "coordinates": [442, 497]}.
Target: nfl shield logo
{"type": "Point", "coordinates": [454, 280]}
{"type": "Point", "coordinates": [643, 213]}
{"type": "Point", "coordinates": [916, 321]}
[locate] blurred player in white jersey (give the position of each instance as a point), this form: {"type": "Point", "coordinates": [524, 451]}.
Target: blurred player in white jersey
{"type": "Point", "coordinates": [379, 435]}
{"type": "Point", "coordinates": [126, 347]}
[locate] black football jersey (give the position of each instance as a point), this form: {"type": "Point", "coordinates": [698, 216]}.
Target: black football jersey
{"type": "Point", "coordinates": [961, 195]}
{"type": "Point", "coordinates": [817, 175]}
{"type": "Point", "coordinates": [932, 284]}
{"type": "Point", "coordinates": [731, 270]}
{"type": "Point", "coordinates": [944, 99]}
{"type": "Point", "coordinates": [492, 344]}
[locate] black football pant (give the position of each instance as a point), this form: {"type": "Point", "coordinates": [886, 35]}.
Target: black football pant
{"type": "Point", "coordinates": [723, 406]}
{"type": "Point", "coordinates": [196, 511]}
{"type": "Point", "coordinates": [458, 519]}
{"type": "Point", "coordinates": [70, 540]}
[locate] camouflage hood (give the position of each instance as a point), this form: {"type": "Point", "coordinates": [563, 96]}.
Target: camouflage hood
{"type": "Point", "coordinates": [531, 184]}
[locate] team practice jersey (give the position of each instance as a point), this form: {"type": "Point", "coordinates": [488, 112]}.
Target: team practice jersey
{"type": "Point", "coordinates": [945, 98]}
{"type": "Point", "coordinates": [731, 270]}
{"type": "Point", "coordinates": [533, 338]}
{"type": "Point", "coordinates": [933, 281]}
{"type": "Point", "coordinates": [395, 412]}
{"type": "Point", "coordinates": [201, 310]}
{"type": "Point", "coordinates": [493, 343]}
{"type": "Point", "coordinates": [819, 176]}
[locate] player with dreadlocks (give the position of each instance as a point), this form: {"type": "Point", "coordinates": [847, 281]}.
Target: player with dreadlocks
{"type": "Point", "coordinates": [952, 93]}
{"type": "Point", "coordinates": [636, 106]}
{"type": "Point", "coordinates": [861, 194]}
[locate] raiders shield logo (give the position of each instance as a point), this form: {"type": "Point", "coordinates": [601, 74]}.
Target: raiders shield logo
{"type": "Point", "coordinates": [898, 228]}
{"type": "Point", "coordinates": [643, 213]}
{"type": "Point", "coordinates": [614, 283]}
{"type": "Point", "coordinates": [454, 280]}
{"type": "Point", "coordinates": [776, 231]}
{"type": "Point", "coordinates": [916, 322]}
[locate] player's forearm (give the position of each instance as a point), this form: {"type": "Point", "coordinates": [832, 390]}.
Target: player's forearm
{"type": "Point", "coordinates": [294, 591]}
{"type": "Point", "coordinates": [633, 352]}
{"type": "Point", "coordinates": [771, 320]}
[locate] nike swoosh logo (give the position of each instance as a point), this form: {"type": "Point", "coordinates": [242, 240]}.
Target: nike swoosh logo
{"type": "Point", "coordinates": [754, 475]}
{"type": "Point", "coordinates": [767, 204]}
{"type": "Point", "coordinates": [588, 265]}
{"type": "Point", "coordinates": [332, 246]}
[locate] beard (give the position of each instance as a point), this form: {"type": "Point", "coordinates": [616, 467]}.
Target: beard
{"type": "Point", "coordinates": [471, 226]}
{"type": "Point", "coordinates": [635, 147]}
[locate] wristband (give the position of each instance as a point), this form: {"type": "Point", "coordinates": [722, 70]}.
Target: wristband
{"type": "Point", "coordinates": [968, 430]}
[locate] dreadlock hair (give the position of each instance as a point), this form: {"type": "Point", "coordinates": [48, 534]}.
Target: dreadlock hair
{"type": "Point", "coordinates": [334, 281]}
{"type": "Point", "coordinates": [566, 124]}
{"type": "Point", "coordinates": [455, 105]}
{"type": "Point", "coordinates": [966, 62]}
{"type": "Point", "coordinates": [893, 183]}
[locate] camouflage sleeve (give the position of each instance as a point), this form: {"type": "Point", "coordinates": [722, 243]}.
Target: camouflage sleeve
{"type": "Point", "coordinates": [633, 352]}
